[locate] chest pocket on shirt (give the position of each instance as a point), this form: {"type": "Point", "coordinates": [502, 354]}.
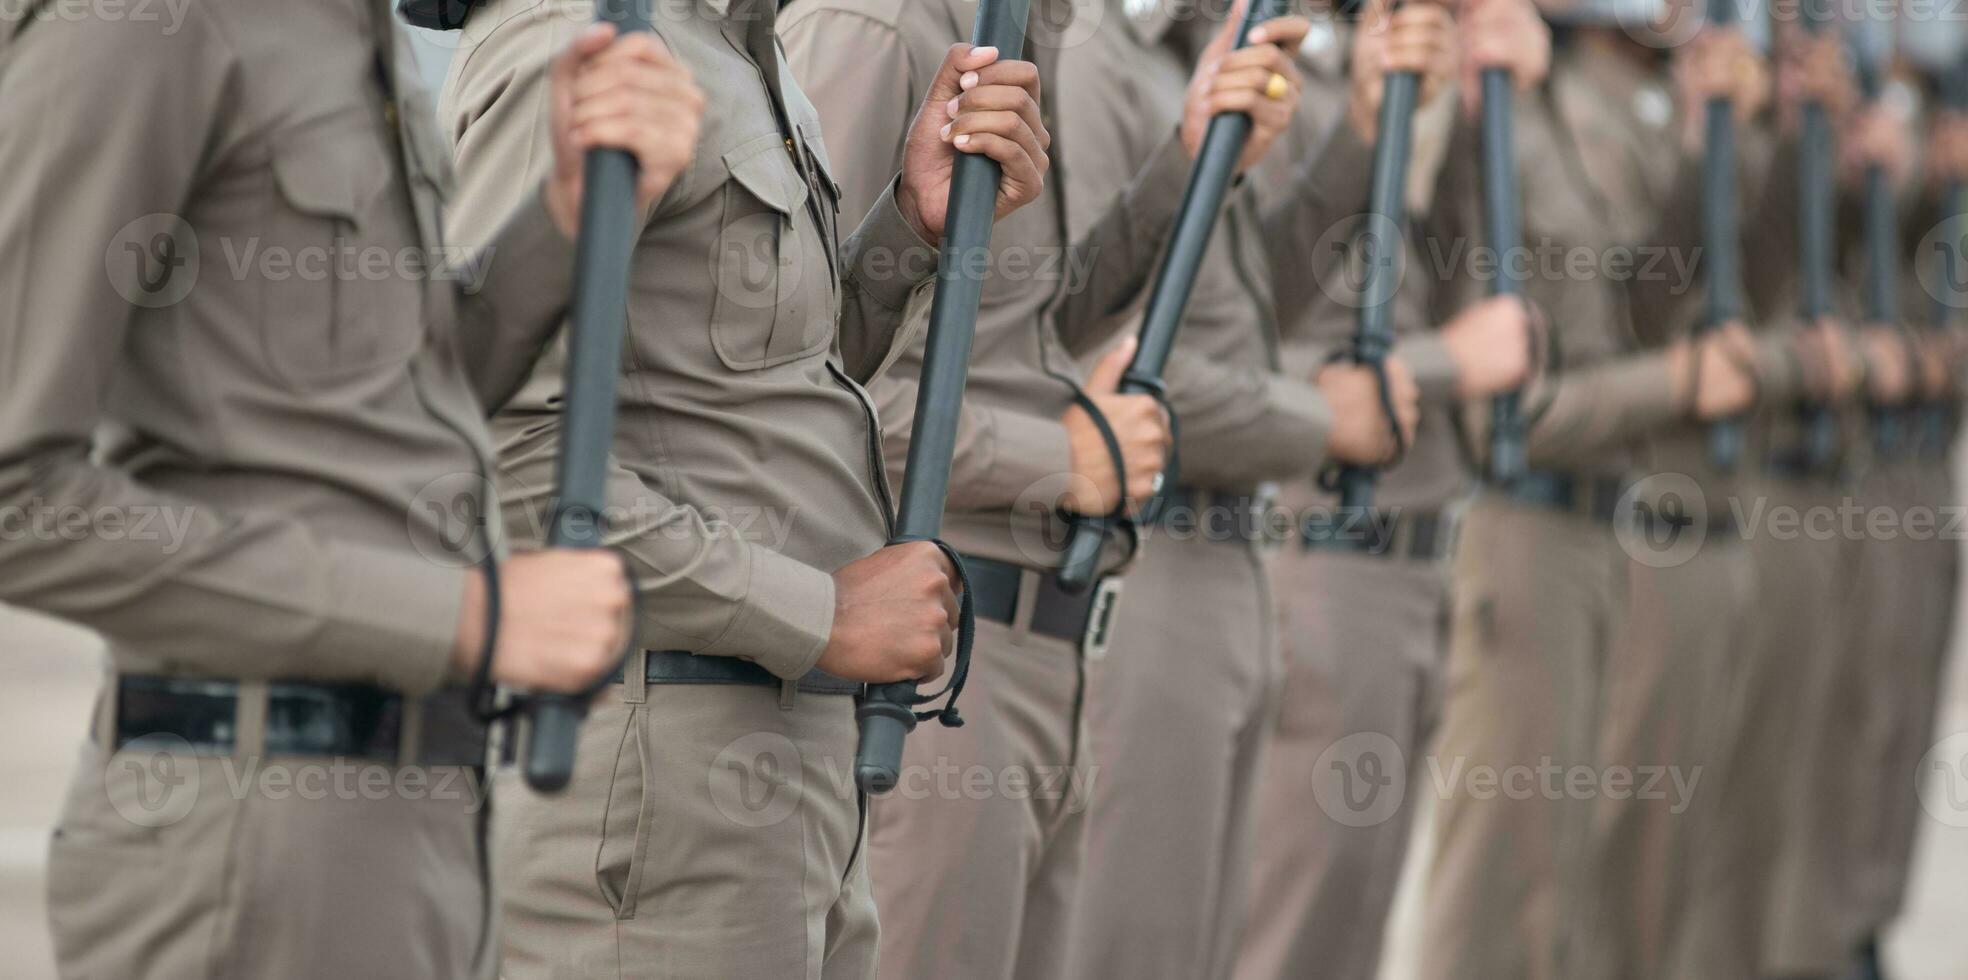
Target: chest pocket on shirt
{"type": "Point", "coordinates": [774, 300]}
{"type": "Point", "coordinates": [334, 301]}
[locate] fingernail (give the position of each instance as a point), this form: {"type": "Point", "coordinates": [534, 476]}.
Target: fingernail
{"type": "Point", "coordinates": [952, 105]}
{"type": "Point", "coordinates": [985, 50]}
{"type": "Point", "coordinates": [968, 81]}
{"type": "Point", "coordinates": [963, 140]}
{"type": "Point", "coordinates": [945, 131]}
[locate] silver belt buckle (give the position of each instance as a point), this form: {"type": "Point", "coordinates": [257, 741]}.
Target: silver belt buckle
{"type": "Point", "coordinates": [1100, 617]}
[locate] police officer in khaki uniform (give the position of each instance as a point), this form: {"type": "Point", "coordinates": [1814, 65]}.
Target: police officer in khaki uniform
{"type": "Point", "coordinates": [1366, 632]}
{"type": "Point", "coordinates": [1011, 786]}
{"type": "Point", "coordinates": [1543, 583]}
{"type": "Point", "coordinates": [1180, 712]}
{"type": "Point", "coordinates": [712, 827]}
{"type": "Point", "coordinates": [298, 792]}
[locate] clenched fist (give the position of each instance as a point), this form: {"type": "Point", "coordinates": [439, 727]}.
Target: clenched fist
{"type": "Point", "coordinates": [976, 104]}
{"type": "Point", "coordinates": [895, 616]}
{"type": "Point", "coordinates": [1360, 433]}
{"type": "Point", "coordinates": [1258, 80]}
{"type": "Point", "coordinates": [563, 620]}
{"type": "Point", "coordinates": [627, 94]}
{"type": "Point", "coordinates": [1139, 424]}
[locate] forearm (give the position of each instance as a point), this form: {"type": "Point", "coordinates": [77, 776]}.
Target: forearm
{"type": "Point", "coordinates": [702, 585]}
{"type": "Point", "coordinates": [1241, 425]}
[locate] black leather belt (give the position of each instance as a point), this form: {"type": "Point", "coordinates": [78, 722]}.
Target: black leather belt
{"type": "Point", "coordinates": [678, 667]}
{"type": "Point", "coordinates": [1428, 535]}
{"type": "Point", "coordinates": [302, 719]}
{"type": "Point", "coordinates": [1083, 620]}
{"type": "Point", "coordinates": [1593, 497]}
{"type": "Point", "coordinates": [1215, 515]}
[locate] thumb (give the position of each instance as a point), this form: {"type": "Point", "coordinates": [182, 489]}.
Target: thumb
{"type": "Point", "coordinates": [1107, 373]}
{"type": "Point", "coordinates": [961, 59]}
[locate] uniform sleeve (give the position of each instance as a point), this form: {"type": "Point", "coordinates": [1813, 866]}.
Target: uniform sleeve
{"type": "Point", "coordinates": [1577, 415]}
{"type": "Point", "coordinates": [703, 586]}
{"type": "Point", "coordinates": [1243, 425]}
{"type": "Point", "coordinates": [1107, 270]}
{"type": "Point", "coordinates": [848, 64]}
{"type": "Point", "coordinates": [107, 121]}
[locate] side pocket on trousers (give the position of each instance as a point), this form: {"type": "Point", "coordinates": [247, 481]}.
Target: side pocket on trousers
{"type": "Point", "coordinates": [626, 822]}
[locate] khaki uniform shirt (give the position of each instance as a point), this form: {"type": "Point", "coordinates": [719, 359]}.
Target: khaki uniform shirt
{"type": "Point", "coordinates": [747, 464]}
{"type": "Point", "coordinates": [1241, 420]}
{"type": "Point", "coordinates": [1049, 299]}
{"type": "Point", "coordinates": [238, 427]}
{"type": "Point", "coordinates": [1320, 251]}
{"type": "Point", "coordinates": [1606, 216]}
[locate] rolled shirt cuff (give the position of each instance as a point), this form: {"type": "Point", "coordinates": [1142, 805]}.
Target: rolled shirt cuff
{"type": "Point", "coordinates": [786, 618]}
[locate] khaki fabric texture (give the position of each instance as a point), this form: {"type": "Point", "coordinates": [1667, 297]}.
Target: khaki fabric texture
{"type": "Point", "coordinates": [1365, 642]}
{"type": "Point", "coordinates": [1179, 710]}
{"type": "Point", "coordinates": [977, 853]}
{"type": "Point", "coordinates": [254, 884]}
{"type": "Point", "coordinates": [1540, 601]}
{"type": "Point", "coordinates": [709, 831]}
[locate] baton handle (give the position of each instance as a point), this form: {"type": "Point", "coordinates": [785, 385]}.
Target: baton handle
{"type": "Point", "coordinates": [1502, 214]}
{"type": "Point", "coordinates": [599, 314]}
{"type": "Point", "coordinates": [886, 712]}
{"type": "Point", "coordinates": [1383, 241]}
{"type": "Point", "coordinates": [1168, 296]}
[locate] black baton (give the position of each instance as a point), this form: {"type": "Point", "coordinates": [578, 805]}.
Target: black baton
{"type": "Point", "coordinates": [887, 711]}
{"type": "Point", "coordinates": [1503, 219]}
{"type": "Point", "coordinates": [1189, 237]}
{"type": "Point", "coordinates": [594, 358]}
{"type": "Point", "coordinates": [1382, 241]}
{"type": "Point", "coordinates": [1722, 238]}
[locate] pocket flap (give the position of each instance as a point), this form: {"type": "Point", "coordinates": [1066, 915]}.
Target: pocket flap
{"type": "Point", "coordinates": [763, 168]}
{"type": "Point", "coordinates": [321, 181]}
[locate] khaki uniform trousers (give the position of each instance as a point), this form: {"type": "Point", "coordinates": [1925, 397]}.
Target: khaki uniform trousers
{"type": "Point", "coordinates": [1540, 598]}
{"type": "Point", "coordinates": [170, 866]}
{"type": "Point", "coordinates": [1669, 710]}
{"type": "Point", "coordinates": [978, 850]}
{"type": "Point", "coordinates": [1366, 643]}
{"type": "Point", "coordinates": [710, 830]}
{"type": "Point", "coordinates": [1746, 813]}
{"type": "Point", "coordinates": [1177, 716]}
{"type": "Point", "coordinates": [1912, 581]}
